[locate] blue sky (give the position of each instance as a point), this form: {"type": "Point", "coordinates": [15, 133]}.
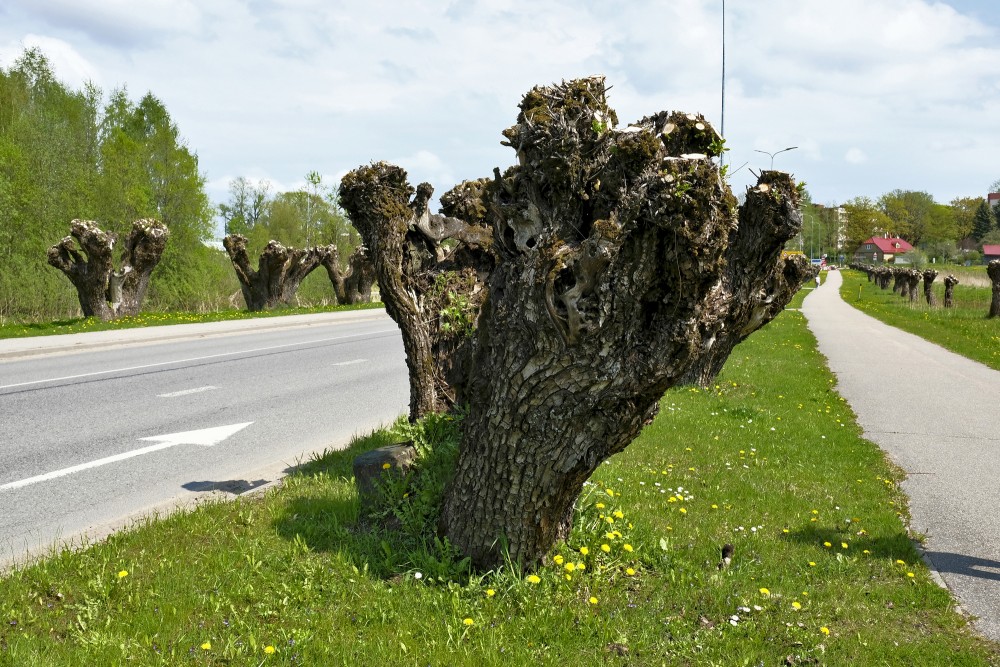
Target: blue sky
{"type": "Point", "coordinates": [875, 94]}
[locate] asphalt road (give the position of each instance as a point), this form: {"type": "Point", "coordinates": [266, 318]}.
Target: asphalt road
{"type": "Point", "coordinates": [89, 439]}
{"type": "Point", "coordinates": [937, 415]}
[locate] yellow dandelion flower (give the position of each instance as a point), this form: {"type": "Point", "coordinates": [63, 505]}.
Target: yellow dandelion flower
{"type": "Point", "coordinates": [569, 567]}
{"type": "Point", "coordinates": [682, 511]}
{"type": "Point", "coordinates": [825, 630]}
{"type": "Point", "coordinates": [619, 514]}
{"type": "Point", "coordinates": [627, 547]}
{"type": "Point", "coordinates": [269, 649]}
{"type": "Point", "coordinates": [533, 579]}
{"type": "Point", "coordinates": [827, 545]}
{"type": "Point", "coordinates": [866, 552]}
{"type": "Point", "coordinates": [386, 466]}
{"type": "Point", "coordinates": [605, 548]}
{"type": "Point", "coordinates": [910, 574]}
{"type": "Point", "coordinates": [900, 562]}
{"type": "Point", "coordinates": [593, 600]}
{"type": "Point", "coordinates": [558, 560]}
{"type": "Point", "coordinates": [609, 536]}
{"type": "Point", "coordinates": [764, 591]}
{"type": "Point", "coordinates": [206, 646]}
{"type": "Point", "coordinates": [123, 574]}
{"type": "Point", "coordinates": [843, 545]}
{"type": "Point", "coordinates": [796, 605]}
{"type": "Point", "coordinates": [490, 592]}
{"type": "Point", "coordinates": [599, 506]}
{"type": "Point", "coordinates": [715, 507]}
{"type": "Point", "coordinates": [812, 563]}
{"type": "Point", "coordinates": [584, 551]}
{"type": "Point", "coordinates": [630, 572]}
{"type": "Point", "coordinates": [611, 494]}
{"type": "Point", "coordinates": [568, 577]}
{"type": "Point", "coordinates": [468, 621]}
{"type": "Point", "coordinates": [581, 567]}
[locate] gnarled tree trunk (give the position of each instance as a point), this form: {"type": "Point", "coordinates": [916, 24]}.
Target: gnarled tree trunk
{"type": "Point", "coordinates": [103, 291]}
{"type": "Point", "coordinates": [949, 290]}
{"type": "Point", "coordinates": [602, 284]}
{"type": "Point", "coordinates": [929, 276]}
{"type": "Point", "coordinates": [912, 284]}
{"type": "Point", "coordinates": [279, 273]}
{"type": "Point", "coordinates": [355, 284]}
{"type": "Point", "coordinates": [993, 271]}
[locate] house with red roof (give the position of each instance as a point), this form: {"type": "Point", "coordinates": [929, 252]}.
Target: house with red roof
{"type": "Point", "coordinates": [993, 198]}
{"type": "Point", "coordinates": [879, 250]}
{"type": "Point", "coordinates": [990, 252]}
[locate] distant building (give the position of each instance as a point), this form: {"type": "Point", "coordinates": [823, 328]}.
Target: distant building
{"type": "Point", "coordinates": [993, 198]}
{"type": "Point", "coordinates": [880, 250]}
{"type": "Point", "coordinates": [990, 252]}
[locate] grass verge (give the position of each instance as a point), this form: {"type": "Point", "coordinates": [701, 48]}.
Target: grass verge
{"type": "Point", "coordinates": [963, 329]}
{"type": "Point", "coordinates": [83, 324]}
{"type": "Point", "coordinates": [769, 461]}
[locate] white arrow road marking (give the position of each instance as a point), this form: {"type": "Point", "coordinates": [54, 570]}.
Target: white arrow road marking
{"type": "Point", "coordinates": [185, 392]}
{"type": "Point", "coordinates": [206, 437]}
{"type": "Point", "coordinates": [350, 363]}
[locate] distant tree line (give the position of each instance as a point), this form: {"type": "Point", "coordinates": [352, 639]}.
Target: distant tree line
{"type": "Point", "coordinates": [85, 155]}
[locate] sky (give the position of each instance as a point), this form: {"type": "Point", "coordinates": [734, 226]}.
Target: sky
{"type": "Point", "coordinates": [874, 95]}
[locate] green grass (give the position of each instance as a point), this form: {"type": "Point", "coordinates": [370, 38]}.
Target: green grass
{"type": "Point", "coordinates": [80, 325]}
{"type": "Point", "coordinates": [770, 460]}
{"type": "Point", "coordinates": [963, 329]}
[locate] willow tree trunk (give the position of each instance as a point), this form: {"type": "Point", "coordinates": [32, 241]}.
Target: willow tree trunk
{"type": "Point", "coordinates": [929, 276]}
{"type": "Point", "coordinates": [993, 271]}
{"type": "Point", "coordinates": [912, 287]}
{"type": "Point", "coordinates": [353, 285]}
{"type": "Point", "coordinates": [103, 291]}
{"type": "Point", "coordinates": [279, 273]}
{"type": "Point", "coordinates": [949, 289]}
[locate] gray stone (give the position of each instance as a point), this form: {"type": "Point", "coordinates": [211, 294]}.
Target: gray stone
{"type": "Point", "coordinates": [372, 466]}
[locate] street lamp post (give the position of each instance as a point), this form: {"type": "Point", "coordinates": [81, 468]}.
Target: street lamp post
{"type": "Point", "coordinates": [790, 148]}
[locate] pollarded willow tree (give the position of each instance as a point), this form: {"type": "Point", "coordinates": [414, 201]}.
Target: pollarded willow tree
{"type": "Point", "coordinates": [280, 270]}
{"type": "Point", "coordinates": [103, 291]}
{"type": "Point", "coordinates": [559, 300]}
{"type": "Point", "coordinates": [993, 271]}
{"type": "Point", "coordinates": [353, 284]}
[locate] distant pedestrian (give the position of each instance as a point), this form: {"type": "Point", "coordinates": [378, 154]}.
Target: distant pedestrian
{"type": "Point", "coordinates": [817, 280]}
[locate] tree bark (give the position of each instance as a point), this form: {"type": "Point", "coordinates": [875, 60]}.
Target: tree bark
{"type": "Point", "coordinates": [585, 281]}
{"type": "Point", "coordinates": [929, 276]}
{"type": "Point", "coordinates": [103, 291]}
{"type": "Point", "coordinates": [949, 289]}
{"type": "Point", "coordinates": [993, 271]}
{"type": "Point", "coordinates": [355, 284]}
{"type": "Point", "coordinates": [911, 285]}
{"type": "Point", "coordinates": [279, 273]}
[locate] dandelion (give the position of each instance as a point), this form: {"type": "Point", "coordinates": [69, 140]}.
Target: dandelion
{"type": "Point", "coordinates": [605, 548]}
{"type": "Point", "coordinates": [207, 646]}
{"type": "Point", "coordinates": [123, 574]}
{"type": "Point", "coordinates": [825, 630]}
{"type": "Point", "coordinates": [490, 592]}
{"type": "Point", "coordinates": [468, 621]}
{"type": "Point", "coordinates": [683, 511]}
{"type": "Point", "coordinates": [418, 575]}
{"type": "Point", "coordinates": [765, 592]}
{"type": "Point", "coordinates": [715, 507]}
{"type": "Point", "coordinates": [534, 579]}
{"type": "Point", "coordinates": [584, 551]}
{"type": "Point", "coordinates": [910, 574]}
{"type": "Point", "coordinates": [796, 605]}
{"type": "Point", "coordinates": [619, 514]}
{"type": "Point", "coordinates": [569, 567]}
{"type": "Point", "coordinates": [269, 649]}
{"type": "Point", "coordinates": [593, 600]}
{"type": "Point", "coordinates": [609, 536]}
{"type": "Point", "coordinates": [627, 547]}
{"type": "Point", "coordinates": [386, 466]}
{"type": "Point", "coordinates": [630, 572]}
{"type": "Point", "coordinates": [599, 506]}
{"type": "Point", "coordinates": [827, 545]}
{"type": "Point", "coordinates": [866, 552]}
{"type": "Point", "coordinates": [581, 567]}
{"type": "Point", "coordinates": [812, 563]}
{"type": "Point", "coordinates": [843, 545]}
{"type": "Point", "coordinates": [900, 562]}
{"type": "Point", "coordinates": [558, 560]}
{"type": "Point", "coordinates": [611, 494]}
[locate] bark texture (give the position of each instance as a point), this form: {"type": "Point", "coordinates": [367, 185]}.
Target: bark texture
{"type": "Point", "coordinates": [586, 280]}
{"type": "Point", "coordinates": [929, 276]}
{"type": "Point", "coordinates": [993, 271]}
{"type": "Point", "coordinates": [353, 285]}
{"type": "Point", "coordinates": [949, 290]}
{"type": "Point", "coordinates": [279, 273]}
{"type": "Point", "coordinates": [104, 292]}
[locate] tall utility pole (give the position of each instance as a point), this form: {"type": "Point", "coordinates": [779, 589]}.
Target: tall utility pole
{"type": "Point", "coordinates": [722, 122]}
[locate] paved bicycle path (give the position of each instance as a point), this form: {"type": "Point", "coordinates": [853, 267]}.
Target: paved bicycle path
{"type": "Point", "coordinates": [937, 414]}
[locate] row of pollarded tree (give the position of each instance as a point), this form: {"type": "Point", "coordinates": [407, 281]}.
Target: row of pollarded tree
{"type": "Point", "coordinates": [906, 283]}
{"type": "Point", "coordinates": [86, 257]}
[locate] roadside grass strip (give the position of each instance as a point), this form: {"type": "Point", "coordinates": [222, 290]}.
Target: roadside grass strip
{"type": "Point", "coordinates": [769, 461]}
{"type": "Point", "coordinates": [84, 324]}
{"type": "Point", "coordinates": [964, 329]}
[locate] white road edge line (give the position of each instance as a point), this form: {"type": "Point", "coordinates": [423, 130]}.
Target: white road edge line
{"type": "Point", "coordinates": [185, 392]}
{"type": "Point", "coordinates": [182, 361]}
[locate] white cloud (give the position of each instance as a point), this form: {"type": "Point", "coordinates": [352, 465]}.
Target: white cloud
{"type": "Point", "coordinates": [66, 62]}
{"type": "Point", "coordinates": [855, 156]}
